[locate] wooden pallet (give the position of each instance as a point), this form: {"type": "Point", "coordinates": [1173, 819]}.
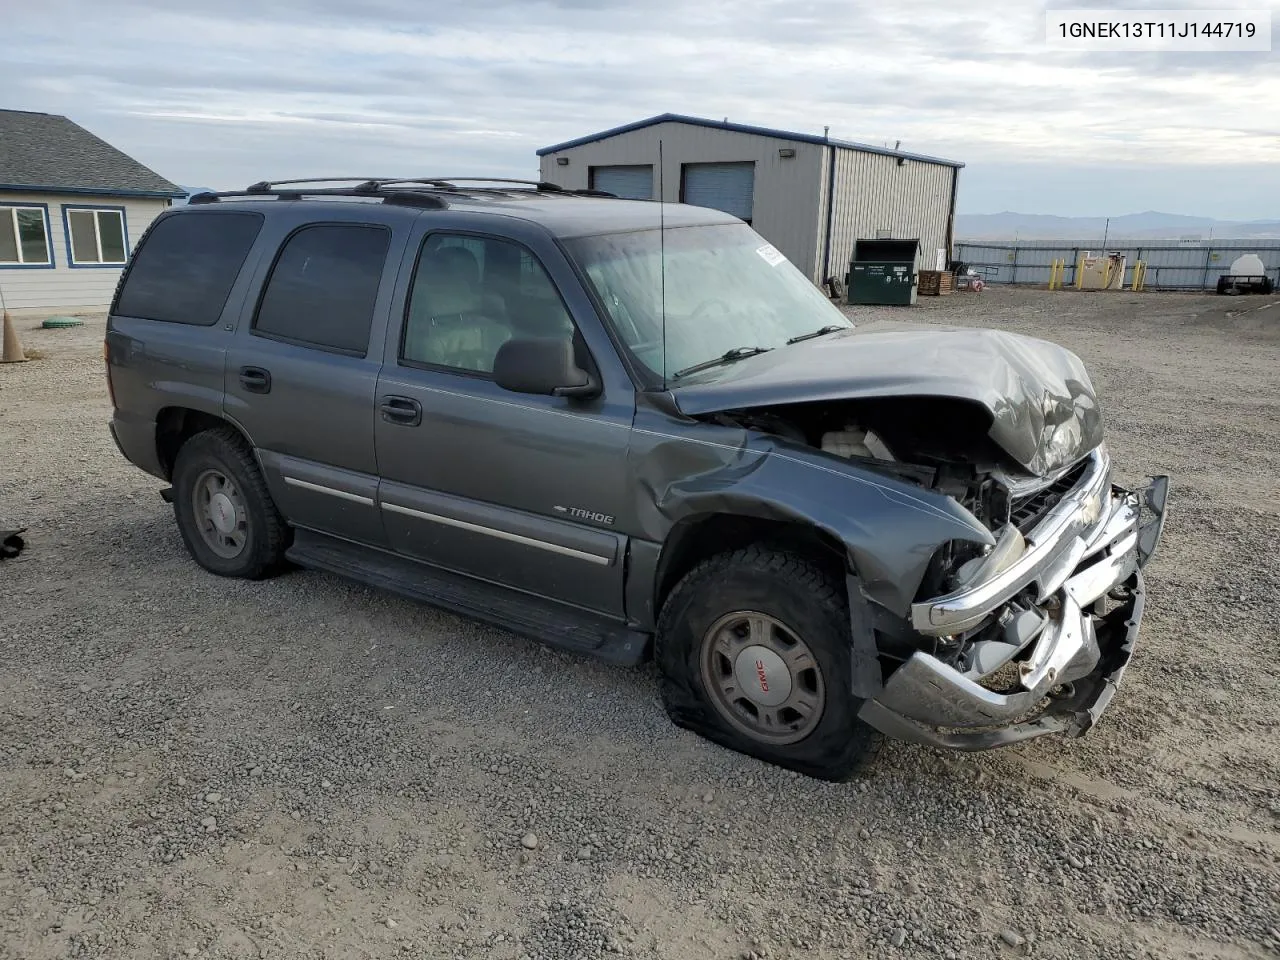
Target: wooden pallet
{"type": "Point", "coordinates": [937, 283]}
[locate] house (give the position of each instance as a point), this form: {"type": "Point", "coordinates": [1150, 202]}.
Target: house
{"type": "Point", "coordinates": [71, 208]}
{"type": "Point", "coordinates": [810, 195]}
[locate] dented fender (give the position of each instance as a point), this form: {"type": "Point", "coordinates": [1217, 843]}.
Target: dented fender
{"type": "Point", "coordinates": [890, 527]}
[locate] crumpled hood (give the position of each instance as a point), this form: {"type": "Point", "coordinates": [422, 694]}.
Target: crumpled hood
{"type": "Point", "coordinates": [1043, 408]}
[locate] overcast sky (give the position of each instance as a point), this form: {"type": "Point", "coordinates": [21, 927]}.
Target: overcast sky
{"type": "Point", "coordinates": [227, 92]}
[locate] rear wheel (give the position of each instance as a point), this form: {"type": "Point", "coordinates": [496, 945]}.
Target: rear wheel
{"type": "Point", "coordinates": [224, 511]}
{"type": "Point", "coordinates": [754, 651]}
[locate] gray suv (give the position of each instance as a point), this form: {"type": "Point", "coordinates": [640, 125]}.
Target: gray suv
{"type": "Point", "coordinates": [635, 430]}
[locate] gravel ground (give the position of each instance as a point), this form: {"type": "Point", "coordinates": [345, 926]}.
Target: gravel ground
{"type": "Point", "coordinates": [191, 766]}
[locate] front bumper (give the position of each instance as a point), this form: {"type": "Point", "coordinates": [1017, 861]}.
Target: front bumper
{"type": "Point", "coordinates": [1057, 655]}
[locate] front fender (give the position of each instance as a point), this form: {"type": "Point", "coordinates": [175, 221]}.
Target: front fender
{"type": "Point", "coordinates": [890, 528]}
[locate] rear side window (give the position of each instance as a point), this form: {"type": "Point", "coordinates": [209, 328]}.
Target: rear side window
{"type": "Point", "coordinates": [323, 286]}
{"type": "Point", "coordinates": [186, 266]}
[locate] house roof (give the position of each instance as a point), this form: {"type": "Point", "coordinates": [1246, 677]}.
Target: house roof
{"type": "Point", "coordinates": [745, 128]}
{"type": "Point", "coordinates": [46, 152]}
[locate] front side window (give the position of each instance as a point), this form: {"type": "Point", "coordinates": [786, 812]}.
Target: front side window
{"type": "Point", "coordinates": [702, 290]}
{"type": "Point", "coordinates": [96, 237]}
{"type": "Point", "coordinates": [323, 286]}
{"type": "Point", "coordinates": [471, 295]}
{"type": "Point", "coordinates": [24, 237]}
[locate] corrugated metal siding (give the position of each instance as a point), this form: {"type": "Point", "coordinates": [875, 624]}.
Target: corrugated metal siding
{"type": "Point", "coordinates": [873, 193]}
{"type": "Point", "coordinates": [823, 225]}
{"type": "Point", "coordinates": [66, 288]}
{"type": "Point", "coordinates": [787, 198]}
{"type": "Point", "coordinates": [1175, 268]}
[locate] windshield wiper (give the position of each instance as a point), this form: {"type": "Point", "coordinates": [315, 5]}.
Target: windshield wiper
{"type": "Point", "coordinates": [829, 328]}
{"type": "Point", "coordinates": [729, 356]}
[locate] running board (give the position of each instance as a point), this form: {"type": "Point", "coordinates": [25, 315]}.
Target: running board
{"type": "Point", "coordinates": [566, 628]}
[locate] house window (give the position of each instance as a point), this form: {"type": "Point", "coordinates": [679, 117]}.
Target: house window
{"type": "Point", "coordinates": [24, 237]}
{"type": "Point", "coordinates": [96, 237]}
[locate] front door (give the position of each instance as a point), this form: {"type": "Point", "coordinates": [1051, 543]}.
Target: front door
{"type": "Point", "coordinates": [524, 491]}
{"type": "Point", "coordinates": [303, 367]}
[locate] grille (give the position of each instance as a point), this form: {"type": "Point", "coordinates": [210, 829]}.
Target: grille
{"type": "Point", "coordinates": [1027, 511]}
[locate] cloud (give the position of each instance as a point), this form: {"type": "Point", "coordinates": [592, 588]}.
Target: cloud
{"type": "Point", "coordinates": [229, 93]}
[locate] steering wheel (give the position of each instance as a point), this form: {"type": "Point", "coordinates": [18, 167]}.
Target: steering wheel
{"type": "Point", "coordinates": [712, 309]}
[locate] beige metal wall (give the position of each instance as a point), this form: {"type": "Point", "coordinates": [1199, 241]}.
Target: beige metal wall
{"type": "Point", "coordinates": [872, 192]}
{"type": "Point", "coordinates": [787, 200]}
{"type": "Point", "coordinates": [35, 291]}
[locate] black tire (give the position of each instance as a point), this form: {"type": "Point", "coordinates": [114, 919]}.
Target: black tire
{"type": "Point", "coordinates": [265, 534]}
{"type": "Point", "coordinates": [812, 605]}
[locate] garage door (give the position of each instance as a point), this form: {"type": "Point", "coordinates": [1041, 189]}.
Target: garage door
{"type": "Point", "coordinates": [722, 186]}
{"type": "Point", "coordinates": [631, 182]}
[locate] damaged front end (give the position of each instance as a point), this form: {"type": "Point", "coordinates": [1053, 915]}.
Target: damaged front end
{"type": "Point", "coordinates": [995, 586]}
{"type": "Point", "coordinates": [1036, 632]}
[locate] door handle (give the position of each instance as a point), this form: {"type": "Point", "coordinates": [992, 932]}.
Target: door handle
{"type": "Point", "coordinates": [255, 379]}
{"type": "Point", "coordinates": [402, 410]}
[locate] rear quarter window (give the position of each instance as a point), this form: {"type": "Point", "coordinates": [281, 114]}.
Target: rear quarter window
{"type": "Point", "coordinates": [185, 267]}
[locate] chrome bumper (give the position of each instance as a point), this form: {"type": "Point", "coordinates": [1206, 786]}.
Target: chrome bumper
{"type": "Point", "coordinates": [1077, 526]}
{"type": "Point", "coordinates": [1094, 543]}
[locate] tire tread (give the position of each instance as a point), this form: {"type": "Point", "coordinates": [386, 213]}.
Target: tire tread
{"type": "Point", "coordinates": [273, 534]}
{"type": "Point", "coordinates": [687, 709]}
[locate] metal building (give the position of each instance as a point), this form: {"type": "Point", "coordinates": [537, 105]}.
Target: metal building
{"type": "Point", "coordinates": [810, 196]}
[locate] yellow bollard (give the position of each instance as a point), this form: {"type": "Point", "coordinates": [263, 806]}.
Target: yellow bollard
{"type": "Point", "coordinates": [1139, 276]}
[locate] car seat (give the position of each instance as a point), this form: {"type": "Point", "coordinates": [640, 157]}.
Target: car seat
{"type": "Point", "coordinates": [452, 322]}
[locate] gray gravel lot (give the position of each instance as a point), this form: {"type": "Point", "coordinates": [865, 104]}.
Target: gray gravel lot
{"type": "Point", "coordinates": [191, 766]}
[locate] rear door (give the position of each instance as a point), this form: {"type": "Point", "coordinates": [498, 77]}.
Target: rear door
{"type": "Point", "coordinates": [303, 366]}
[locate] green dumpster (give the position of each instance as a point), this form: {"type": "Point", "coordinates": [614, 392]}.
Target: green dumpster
{"type": "Point", "coordinates": [883, 271]}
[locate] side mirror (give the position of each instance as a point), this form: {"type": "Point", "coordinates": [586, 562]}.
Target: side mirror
{"type": "Point", "coordinates": [542, 365]}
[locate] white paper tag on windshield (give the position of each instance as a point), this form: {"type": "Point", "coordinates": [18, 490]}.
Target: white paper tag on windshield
{"type": "Point", "coordinates": [770, 255]}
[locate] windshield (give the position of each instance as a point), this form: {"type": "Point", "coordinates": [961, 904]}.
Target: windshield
{"type": "Point", "coordinates": [725, 288]}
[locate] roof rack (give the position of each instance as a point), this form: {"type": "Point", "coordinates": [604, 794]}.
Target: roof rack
{"type": "Point", "coordinates": [266, 186]}
{"type": "Point", "coordinates": [417, 191]}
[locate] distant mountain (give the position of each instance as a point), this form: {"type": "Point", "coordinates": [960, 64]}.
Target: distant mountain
{"type": "Point", "coordinates": [1145, 227]}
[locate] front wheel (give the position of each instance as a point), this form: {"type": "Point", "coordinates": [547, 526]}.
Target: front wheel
{"type": "Point", "coordinates": [754, 651]}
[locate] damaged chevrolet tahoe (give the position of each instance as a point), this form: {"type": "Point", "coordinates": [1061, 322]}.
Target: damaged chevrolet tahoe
{"type": "Point", "coordinates": [635, 430]}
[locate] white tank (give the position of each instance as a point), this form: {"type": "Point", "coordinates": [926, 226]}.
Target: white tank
{"type": "Point", "coordinates": [1250, 265]}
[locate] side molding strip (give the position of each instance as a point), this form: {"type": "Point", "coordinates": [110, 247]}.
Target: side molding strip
{"type": "Point", "coordinates": [318, 488]}
{"type": "Point", "coordinates": [501, 534]}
